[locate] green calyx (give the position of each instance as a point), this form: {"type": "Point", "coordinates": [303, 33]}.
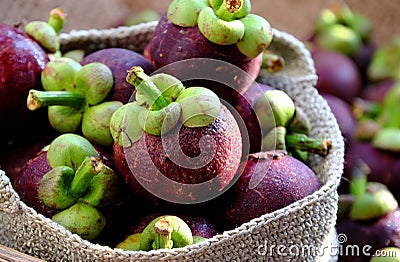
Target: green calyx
{"type": "Point", "coordinates": [224, 22]}
{"type": "Point", "coordinates": [78, 194]}
{"type": "Point", "coordinates": [370, 200]}
{"type": "Point", "coordinates": [75, 96]}
{"type": "Point", "coordinates": [165, 232]}
{"type": "Point", "coordinates": [274, 108]}
{"type": "Point", "coordinates": [200, 106]}
{"type": "Point", "coordinates": [46, 33]}
{"type": "Point", "coordinates": [130, 243]}
{"type": "Point", "coordinates": [374, 203]}
{"type": "Point", "coordinates": [161, 101]}
{"type": "Point", "coordinates": [82, 219]}
{"type": "Point", "coordinates": [69, 150]}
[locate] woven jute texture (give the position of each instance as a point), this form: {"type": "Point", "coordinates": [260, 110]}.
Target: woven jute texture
{"type": "Point", "coordinates": [302, 231]}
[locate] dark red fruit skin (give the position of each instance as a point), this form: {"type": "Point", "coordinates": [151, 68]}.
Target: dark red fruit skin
{"type": "Point", "coordinates": [27, 182]}
{"type": "Point", "coordinates": [337, 74]}
{"type": "Point", "coordinates": [21, 63]}
{"type": "Point", "coordinates": [245, 104]}
{"type": "Point", "coordinates": [343, 114]}
{"type": "Point", "coordinates": [119, 60]}
{"type": "Point", "coordinates": [149, 160]}
{"type": "Point", "coordinates": [200, 226]}
{"type": "Point", "coordinates": [384, 166]}
{"type": "Point", "coordinates": [378, 233]}
{"type": "Point", "coordinates": [285, 180]}
{"type": "Point", "coordinates": [171, 43]}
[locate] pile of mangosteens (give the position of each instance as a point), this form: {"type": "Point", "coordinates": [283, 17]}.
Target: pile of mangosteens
{"type": "Point", "coordinates": [360, 81]}
{"type": "Point", "coordinates": [158, 149]}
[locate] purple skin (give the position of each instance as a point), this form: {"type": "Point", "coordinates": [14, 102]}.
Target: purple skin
{"type": "Point", "coordinates": [337, 74]}
{"type": "Point", "coordinates": [21, 63]}
{"type": "Point", "coordinates": [378, 233]}
{"type": "Point", "coordinates": [285, 180]}
{"type": "Point", "coordinates": [384, 166]}
{"type": "Point", "coordinates": [244, 104]}
{"type": "Point", "coordinates": [343, 114]}
{"type": "Point", "coordinates": [27, 182]}
{"type": "Point", "coordinates": [119, 60]}
{"type": "Point", "coordinates": [171, 43]}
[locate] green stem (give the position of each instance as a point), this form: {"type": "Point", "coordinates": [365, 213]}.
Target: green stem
{"type": "Point", "coordinates": [57, 19]}
{"type": "Point", "coordinates": [143, 84]}
{"type": "Point", "coordinates": [359, 180]}
{"type": "Point", "coordinates": [163, 229]}
{"type": "Point", "coordinates": [230, 10]}
{"type": "Point", "coordinates": [305, 143]}
{"type": "Point", "coordinates": [38, 99]}
{"type": "Point", "coordinates": [90, 167]}
{"type": "Point", "coordinates": [272, 62]}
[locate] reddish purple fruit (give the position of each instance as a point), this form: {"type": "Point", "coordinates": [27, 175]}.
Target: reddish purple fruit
{"type": "Point", "coordinates": [26, 182]}
{"type": "Point", "coordinates": [172, 43]}
{"type": "Point", "coordinates": [337, 74]}
{"type": "Point", "coordinates": [119, 60]}
{"type": "Point", "coordinates": [179, 156]}
{"type": "Point", "coordinates": [21, 63]}
{"type": "Point", "coordinates": [269, 181]}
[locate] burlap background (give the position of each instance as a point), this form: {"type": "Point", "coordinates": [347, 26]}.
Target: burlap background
{"type": "Point", "coordinates": [306, 226]}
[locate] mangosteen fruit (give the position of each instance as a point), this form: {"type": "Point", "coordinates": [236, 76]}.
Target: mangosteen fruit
{"type": "Point", "coordinates": [119, 60]}
{"type": "Point", "coordinates": [181, 144]}
{"type": "Point", "coordinates": [162, 232]}
{"type": "Point", "coordinates": [26, 182]}
{"type": "Point", "coordinates": [269, 181]}
{"type": "Point", "coordinates": [223, 30]}
{"type": "Point", "coordinates": [337, 74]}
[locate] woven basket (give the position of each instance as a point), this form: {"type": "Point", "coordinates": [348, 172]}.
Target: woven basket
{"type": "Point", "coordinates": [304, 230]}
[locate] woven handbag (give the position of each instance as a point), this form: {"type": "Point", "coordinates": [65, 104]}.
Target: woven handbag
{"type": "Point", "coordinates": [302, 231]}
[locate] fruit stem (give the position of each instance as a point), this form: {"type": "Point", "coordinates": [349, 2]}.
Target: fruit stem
{"type": "Point", "coordinates": [57, 19]}
{"type": "Point", "coordinates": [272, 62]}
{"type": "Point", "coordinates": [359, 180]}
{"type": "Point", "coordinates": [90, 167]}
{"type": "Point", "coordinates": [163, 229]}
{"type": "Point", "coordinates": [312, 145]}
{"type": "Point", "coordinates": [143, 84]}
{"type": "Point", "coordinates": [37, 99]}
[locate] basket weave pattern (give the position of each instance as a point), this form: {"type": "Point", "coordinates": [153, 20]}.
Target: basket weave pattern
{"type": "Point", "coordinates": [308, 222]}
